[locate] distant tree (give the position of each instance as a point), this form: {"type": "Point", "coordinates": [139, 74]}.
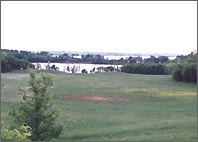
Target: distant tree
{"type": "Point", "coordinates": [22, 64]}
{"type": "Point", "coordinates": [25, 52]}
{"type": "Point", "coordinates": [152, 59]}
{"type": "Point", "coordinates": [68, 69]}
{"type": "Point", "coordinates": [32, 66]}
{"type": "Point", "coordinates": [109, 68]}
{"type": "Point", "coordinates": [84, 71]}
{"type": "Point", "coordinates": [12, 61]}
{"type": "Point", "coordinates": [132, 60]}
{"type": "Point", "coordinates": [93, 70]}
{"type": "Point", "coordinates": [100, 69]}
{"type": "Point", "coordinates": [43, 53]}
{"type": "Point", "coordinates": [82, 57]}
{"type": "Point", "coordinates": [163, 59]}
{"type": "Point", "coordinates": [38, 66]}
{"type": "Point", "coordinates": [53, 67]}
{"type": "Point", "coordinates": [72, 70]}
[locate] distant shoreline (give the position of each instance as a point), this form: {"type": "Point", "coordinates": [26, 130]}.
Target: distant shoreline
{"type": "Point", "coordinates": [111, 53]}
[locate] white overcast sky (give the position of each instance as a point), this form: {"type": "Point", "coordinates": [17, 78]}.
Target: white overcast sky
{"type": "Point", "coordinates": [97, 26]}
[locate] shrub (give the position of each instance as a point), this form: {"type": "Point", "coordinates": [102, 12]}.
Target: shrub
{"type": "Point", "coordinates": [18, 134]}
{"type": "Point", "coordinates": [185, 72]}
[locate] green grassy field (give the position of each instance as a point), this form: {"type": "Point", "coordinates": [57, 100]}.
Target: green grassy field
{"type": "Point", "coordinates": [141, 107]}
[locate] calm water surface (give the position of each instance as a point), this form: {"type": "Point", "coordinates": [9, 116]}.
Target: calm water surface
{"type": "Point", "coordinates": [63, 66]}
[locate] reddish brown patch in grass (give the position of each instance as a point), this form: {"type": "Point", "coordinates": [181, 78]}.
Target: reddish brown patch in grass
{"type": "Point", "coordinates": [101, 98]}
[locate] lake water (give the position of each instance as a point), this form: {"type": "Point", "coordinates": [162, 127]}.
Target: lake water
{"type": "Point", "coordinates": [79, 67]}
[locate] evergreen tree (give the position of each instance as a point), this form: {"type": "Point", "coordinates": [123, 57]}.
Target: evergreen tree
{"type": "Point", "coordinates": [36, 111]}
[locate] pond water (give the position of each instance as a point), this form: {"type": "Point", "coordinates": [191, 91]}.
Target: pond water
{"type": "Point", "coordinates": [78, 67]}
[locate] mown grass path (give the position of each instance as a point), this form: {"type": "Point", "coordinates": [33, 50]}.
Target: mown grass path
{"type": "Point", "coordinates": [158, 108]}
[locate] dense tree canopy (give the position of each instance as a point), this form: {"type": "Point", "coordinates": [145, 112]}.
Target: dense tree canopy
{"type": "Point", "coordinates": [9, 62]}
{"type": "Point", "coordinates": [185, 68]}
{"type": "Point", "coordinates": [140, 68]}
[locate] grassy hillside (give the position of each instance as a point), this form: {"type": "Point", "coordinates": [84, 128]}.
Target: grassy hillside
{"type": "Point", "coordinates": [115, 106]}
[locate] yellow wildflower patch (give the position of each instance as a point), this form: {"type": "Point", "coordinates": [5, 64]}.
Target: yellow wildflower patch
{"type": "Point", "coordinates": [155, 91]}
{"type": "Point", "coordinates": [178, 93]}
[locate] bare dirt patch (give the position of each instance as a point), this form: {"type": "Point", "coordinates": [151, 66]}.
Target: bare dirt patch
{"type": "Point", "coordinates": [114, 98]}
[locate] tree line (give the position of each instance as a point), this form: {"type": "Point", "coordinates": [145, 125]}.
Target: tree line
{"type": "Point", "coordinates": [44, 57]}
{"type": "Point", "coordinates": [183, 68]}
{"type": "Point", "coordinates": [149, 69]}
{"type": "Point", "coordinates": [9, 63]}
{"type": "Point", "coordinates": [16, 60]}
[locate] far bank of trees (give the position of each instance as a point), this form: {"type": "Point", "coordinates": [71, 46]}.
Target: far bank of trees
{"type": "Point", "coordinates": [141, 68]}
{"type": "Point", "coordinates": [44, 57]}
{"type": "Point", "coordinates": [9, 63]}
